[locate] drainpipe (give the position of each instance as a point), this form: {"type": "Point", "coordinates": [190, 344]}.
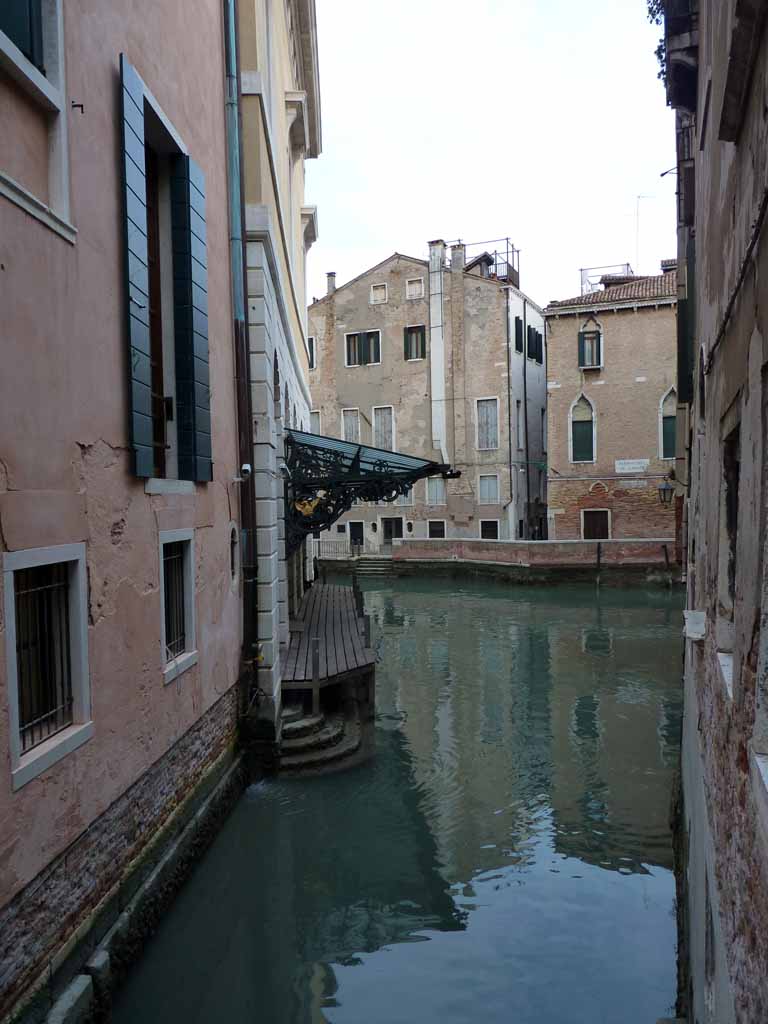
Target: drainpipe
{"type": "Point", "coordinates": [510, 519]}
{"type": "Point", "coordinates": [238, 262]}
{"type": "Point", "coordinates": [526, 521]}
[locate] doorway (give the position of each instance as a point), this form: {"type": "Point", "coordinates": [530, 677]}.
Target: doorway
{"type": "Point", "coordinates": [356, 536]}
{"type": "Point", "coordinates": [392, 527]}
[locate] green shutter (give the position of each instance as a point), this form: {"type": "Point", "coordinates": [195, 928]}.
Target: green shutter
{"type": "Point", "coordinates": [582, 352]}
{"type": "Point", "coordinates": [518, 334]}
{"type": "Point", "coordinates": [598, 349]}
{"type": "Point", "coordinates": [405, 343]}
{"type": "Point", "coordinates": [190, 310]}
{"type": "Point", "coordinates": [423, 342]}
{"type": "Point", "coordinates": [136, 270]}
{"type": "Point", "coordinates": [668, 439]}
{"type": "Point", "coordinates": [364, 348]}
{"type": "Point", "coordinates": [581, 432]}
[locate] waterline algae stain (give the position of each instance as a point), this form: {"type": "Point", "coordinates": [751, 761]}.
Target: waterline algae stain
{"type": "Point", "coordinates": [505, 856]}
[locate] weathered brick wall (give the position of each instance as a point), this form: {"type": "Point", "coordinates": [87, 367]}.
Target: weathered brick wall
{"type": "Point", "coordinates": [537, 553]}
{"type": "Point", "coordinates": [635, 511]}
{"type": "Point", "coordinates": [48, 910]}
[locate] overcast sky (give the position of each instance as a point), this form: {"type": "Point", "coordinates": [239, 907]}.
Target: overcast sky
{"type": "Point", "coordinates": [476, 119]}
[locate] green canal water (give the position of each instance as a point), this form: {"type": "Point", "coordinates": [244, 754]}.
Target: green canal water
{"type": "Point", "coordinates": [505, 856]}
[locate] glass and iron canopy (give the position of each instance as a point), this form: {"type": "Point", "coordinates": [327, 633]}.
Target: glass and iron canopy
{"type": "Point", "coordinates": [324, 477]}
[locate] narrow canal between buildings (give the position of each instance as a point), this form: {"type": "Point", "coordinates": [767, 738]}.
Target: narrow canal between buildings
{"type": "Point", "coordinates": [505, 856]}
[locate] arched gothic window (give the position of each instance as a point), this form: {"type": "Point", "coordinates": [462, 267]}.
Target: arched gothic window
{"type": "Point", "coordinates": [668, 416]}
{"type": "Point", "coordinates": [582, 431]}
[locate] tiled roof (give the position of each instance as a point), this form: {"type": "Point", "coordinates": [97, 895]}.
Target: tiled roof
{"type": "Point", "coordinates": [663, 286]}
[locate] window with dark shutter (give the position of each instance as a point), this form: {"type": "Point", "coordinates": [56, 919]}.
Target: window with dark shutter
{"type": "Point", "coordinates": [22, 22]}
{"type": "Point", "coordinates": [582, 436]}
{"type": "Point", "coordinates": [531, 342]}
{"type": "Point", "coordinates": [518, 334]}
{"type": "Point", "coordinates": [590, 350]}
{"type": "Point", "coordinates": [415, 342]}
{"type": "Point", "coordinates": [668, 425]}
{"type": "Point", "coordinates": [156, 358]}
{"type": "Point", "coordinates": [363, 347]}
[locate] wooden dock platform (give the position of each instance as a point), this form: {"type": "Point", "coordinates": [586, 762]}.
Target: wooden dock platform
{"type": "Point", "coordinates": [329, 614]}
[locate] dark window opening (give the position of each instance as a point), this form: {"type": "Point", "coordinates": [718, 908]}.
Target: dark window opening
{"type": "Point", "coordinates": [731, 474]}
{"type": "Point", "coordinates": [43, 656]}
{"type": "Point", "coordinates": [341, 529]}
{"type": "Point", "coordinates": [489, 529]}
{"type": "Point", "coordinates": [22, 22]}
{"type": "Point", "coordinates": [233, 552]}
{"type": "Point", "coordinates": [668, 428]}
{"type": "Point", "coordinates": [363, 347]}
{"type": "Point", "coordinates": [436, 530]}
{"type": "Point", "coordinates": [518, 334]}
{"type": "Point", "coordinates": [582, 434]}
{"type": "Point", "coordinates": [311, 346]}
{"type": "Point", "coordinates": [415, 342]}
{"type": "Point", "coordinates": [173, 584]}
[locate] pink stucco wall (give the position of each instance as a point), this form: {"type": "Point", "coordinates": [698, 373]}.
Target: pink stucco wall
{"type": "Point", "coordinates": [536, 553]}
{"type": "Point", "coordinates": [64, 460]}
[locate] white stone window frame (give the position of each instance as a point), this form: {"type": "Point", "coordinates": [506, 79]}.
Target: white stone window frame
{"type": "Point", "coordinates": [498, 489]}
{"type": "Point", "coordinates": [487, 398]}
{"type": "Point", "coordinates": [418, 359]}
{"type": "Point", "coordinates": [480, 529]}
{"type": "Point", "coordinates": [319, 414]}
{"type": "Point", "coordinates": [349, 334]}
{"type": "Point", "coordinates": [574, 403]}
{"type": "Point", "coordinates": [49, 93]}
{"type": "Point", "coordinates": [670, 390]}
{"type": "Point", "coordinates": [445, 529]}
{"type": "Point", "coordinates": [414, 280]}
{"type": "Point", "coordinates": [359, 430]}
{"type": "Point", "coordinates": [610, 522]}
{"type": "Point", "coordinates": [437, 504]}
{"type": "Point", "coordinates": [373, 427]}
{"type": "Point", "coordinates": [25, 767]}
{"type": "Point", "coordinates": [379, 302]}
{"type": "Point", "coordinates": [182, 662]}
{"type": "Point", "coordinates": [593, 326]}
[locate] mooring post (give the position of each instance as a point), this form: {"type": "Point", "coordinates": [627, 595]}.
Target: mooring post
{"type": "Point", "coordinates": [315, 675]}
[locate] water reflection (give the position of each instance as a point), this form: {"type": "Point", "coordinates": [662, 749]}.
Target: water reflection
{"type": "Point", "coordinates": [512, 824]}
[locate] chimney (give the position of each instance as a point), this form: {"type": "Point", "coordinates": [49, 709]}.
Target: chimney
{"type": "Point", "coordinates": [457, 256]}
{"type": "Point", "coordinates": [331, 275]}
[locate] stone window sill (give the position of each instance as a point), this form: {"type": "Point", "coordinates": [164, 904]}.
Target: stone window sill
{"type": "Point", "coordinates": [47, 754]}
{"type": "Point", "coordinates": [178, 666]}
{"type": "Point", "coordinates": [160, 485]}
{"type": "Point", "coordinates": [30, 204]}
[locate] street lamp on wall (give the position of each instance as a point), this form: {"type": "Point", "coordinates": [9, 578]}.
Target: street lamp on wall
{"type": "Point", "coordinates": [666, 491]}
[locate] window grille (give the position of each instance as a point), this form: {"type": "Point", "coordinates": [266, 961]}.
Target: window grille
{"type": "Point", "coordinates": [351, 425]}
{"type": "Point", "coordinates": [487, 423]}
{"type": "Point", "coordinates": [43, 654]}
{"type": "Point", "coordinates": [173, 576]}
{"type": "Point", "coordinates": [489, 490]}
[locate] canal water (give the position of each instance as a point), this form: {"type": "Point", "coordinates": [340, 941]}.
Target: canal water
{"type": "Point", "coordinates": [505, 856]}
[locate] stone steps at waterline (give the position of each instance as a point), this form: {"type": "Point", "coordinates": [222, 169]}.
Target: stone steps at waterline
{"type": "Point", "coordinates": [373, 567]}
{"type": "Point", "coordinates": [327, 735]}
{"type": "Point", "coordinates": [301, 725]}
{"type": "Point", "coordinates": [346, 742]}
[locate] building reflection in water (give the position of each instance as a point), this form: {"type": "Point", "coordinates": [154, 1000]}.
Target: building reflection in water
{"type": "Point", "coordinates": [525, 745]}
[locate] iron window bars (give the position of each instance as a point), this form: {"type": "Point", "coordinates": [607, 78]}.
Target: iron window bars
{"type": "Point", "coordinates": [43, 654]}
{"type": "Point", "coordinates": [173, 588]}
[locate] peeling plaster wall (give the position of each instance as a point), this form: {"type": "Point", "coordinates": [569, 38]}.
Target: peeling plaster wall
{"type": "Point", "coordinates": [726, 729]}
{"type": "Point", "coordinates": [64, 459]}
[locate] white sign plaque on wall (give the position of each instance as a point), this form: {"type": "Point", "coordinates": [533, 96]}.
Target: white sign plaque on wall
{"type": "Point", "coordinates": [631, 465]}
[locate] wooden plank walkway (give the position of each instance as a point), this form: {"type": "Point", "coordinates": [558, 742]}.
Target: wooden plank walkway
{"type": "Point", "coordinates": [327, 612]}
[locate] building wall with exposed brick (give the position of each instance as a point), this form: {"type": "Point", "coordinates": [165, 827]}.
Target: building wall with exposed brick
{"type": "Point", "coordinates": [637, 371]}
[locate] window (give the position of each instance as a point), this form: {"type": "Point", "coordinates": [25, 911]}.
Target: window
{"type": "Point", "coordinates": [378, 294]}
{"type": "Point", "coordinates": [314, 421]}
{"type": "Point", "coordinates": [595, 524]}
{"type": "Point", "coordinates": [489, 529]}
{"type": "Point", "coordinates": [363, 347]}
{"type": "Point", "coordinates": [519, 425]}
{"type": "Point", "coordinates": [341, 528]}
{"type": "Point", "coordinates": [46, 643]}
{"type": "Point", "coordinates": [406, 499]}
{"type": "Point", "coordinates": [668, 424]}
{"type": "Point", "coordinates": [22, 22]}
{"type": "Point", "coordinates": [590, 350]}
{"type": "Point", "coordinates": [414, 288]}
{"type": "Point", "coordinates": [384, 427]}
{"type": "Point", "coordinates": [518, 334]}
{"type": "Point", "coordinates": [436, 529]}
{"type": "Point", "coordinates": [488, 489]}
{"type": "Point", "coordinates": [350, 425]}
{"type": "Point", "coordinates": [544, 431]}
{"type": "Point", "coordinates": [582, 432]}
{"type": "Point", "coordinates": [415, 342]}
{"type": "Point", "coordinates": [177, 598]}
{"type": "Point", "coordinates": [312, 353]}
{"type": "Point", "coordinates": [435, 490]}
{"type": "Point", "coordinates": [487, 423]}
{"type": "Point", "coordinates": [167, 301]}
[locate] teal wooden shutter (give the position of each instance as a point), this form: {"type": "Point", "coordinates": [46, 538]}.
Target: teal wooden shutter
{"type": "Point", "coordinates": [136, 270]}
{"type": "Point", "coordinates": [518, 334]}
{"type": "Point", "coordinates": [582, 440]}
{"type": "Point", "coordinates": [190, 310]}
{"type": "Point", "coordinates": [364, 348]}
{"type": "Point", "coordinates": [598, 343]}
{"type": "Point", "coordinates": [582, 349]}
{"type": "Point", "coordinates": [423, 342]}
{"type": "Point", "coordinates": [406, 349]}
{"type": "Point", "coordinates": [668, 430]}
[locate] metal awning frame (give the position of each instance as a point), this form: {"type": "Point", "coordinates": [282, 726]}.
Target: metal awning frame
{"type": "Point", "coordinates": [324, 477]}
